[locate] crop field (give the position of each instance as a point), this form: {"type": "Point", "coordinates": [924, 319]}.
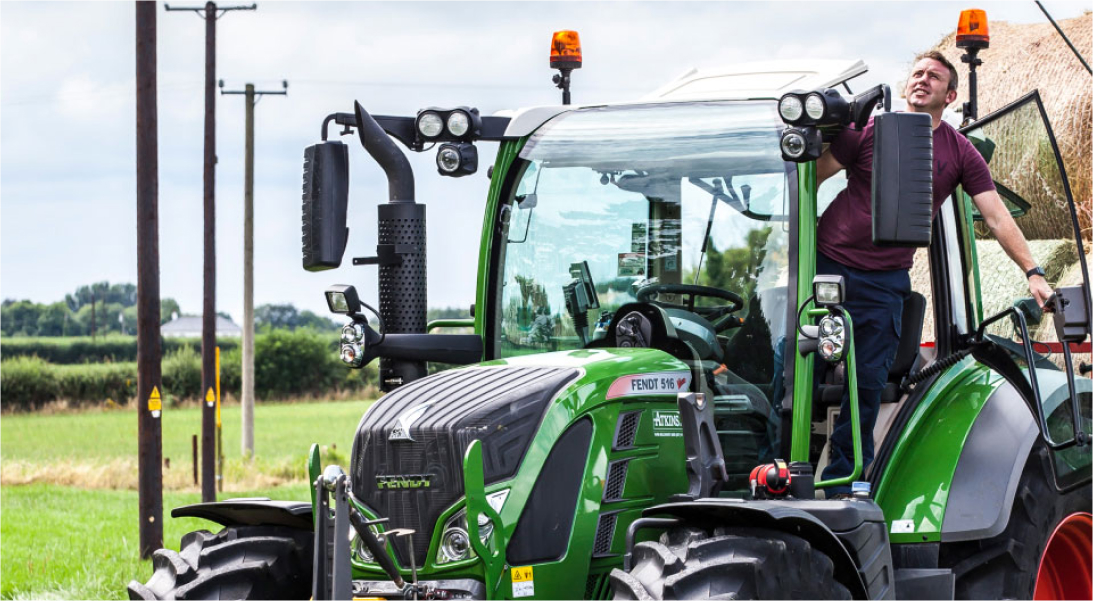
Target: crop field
{"type": "Point", "coordinates": [69, 519]}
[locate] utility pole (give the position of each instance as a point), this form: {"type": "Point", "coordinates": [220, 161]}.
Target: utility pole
{"type": "Point", "coordinates": [149, 404]}
{"type": "Point", "coordinates": [208, 309]}
{"type": "Point", "coordinates": [248, 263]}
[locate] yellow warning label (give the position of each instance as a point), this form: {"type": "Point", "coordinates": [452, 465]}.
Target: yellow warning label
{"type": "Point", "coordinates": [522, 574]}
{"type": "Point", "coordinates": [154, 402]}
{"type": "Point", "coordinates": [210, 397]}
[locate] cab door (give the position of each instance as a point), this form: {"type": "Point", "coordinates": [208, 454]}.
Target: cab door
{"type": "Point", "coordinates": [1054, 360]}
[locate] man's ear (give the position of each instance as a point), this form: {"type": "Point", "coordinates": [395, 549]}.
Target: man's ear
{"type": "Point", "coordinates": [950, 96]}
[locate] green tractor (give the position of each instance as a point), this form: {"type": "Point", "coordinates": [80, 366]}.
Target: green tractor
{"type": "Point", "coordinates": [648, 390]}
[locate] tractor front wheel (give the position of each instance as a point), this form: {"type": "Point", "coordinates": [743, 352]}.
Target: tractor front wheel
{"type": "Point", "coordinates": [1046, 531]}
{"type": "Point", "coordinates": [729, 563]}
{"type": "Point", "coordinates": [246, 562]}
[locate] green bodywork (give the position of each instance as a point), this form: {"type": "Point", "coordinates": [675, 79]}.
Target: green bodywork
{"type": "Point", "coordinates": [653, 470]}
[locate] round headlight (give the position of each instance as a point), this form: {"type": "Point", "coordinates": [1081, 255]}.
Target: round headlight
{"type": "Point", "coordinates": [814, 106]}
{"type": "Point", "coordinates": [352, 332]}
{"type": "Point", "coordinates": [485, 527]}
{"type": "Point", "coordinates": [458, 123]}
{"type": "Point", "coordinates": [793, 144]}
{"type": "Point", "coordinates": [448, 159]}
{"type": "Point", "coordinates": [831, 349]}
{"type": "Point", "coordinates": [361, 549]}
{"type": "Point", "coordinates": [831, 326]}
{"type": "Point", "coordinates": [430, 125]}
{"type": "Point", "coordinates": [455, 545]}
{"type": "Point", "coordinates": [790, 108]}
{"type": "Point", "coordinates": [351, 354]}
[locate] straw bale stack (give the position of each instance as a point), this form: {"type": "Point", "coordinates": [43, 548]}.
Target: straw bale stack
{"type": "Point", "coordinates": [1022, 58]}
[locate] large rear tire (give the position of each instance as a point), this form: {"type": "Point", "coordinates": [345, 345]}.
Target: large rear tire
{"type": "Point", "coordinates": [729, 563]}
{"type": "Point", "coordinates": [246, 562]}
{"type": "Point", "coordinates": [1005, 566]}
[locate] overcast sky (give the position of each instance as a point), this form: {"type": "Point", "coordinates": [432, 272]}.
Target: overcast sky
{"type": "Point", "coordinates": [67, 121]}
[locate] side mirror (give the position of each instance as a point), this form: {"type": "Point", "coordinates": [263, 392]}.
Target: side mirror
{"type": "Point", "coordinates": [325, 203]}
{"type": "Point", "coordinates": [903, 175]}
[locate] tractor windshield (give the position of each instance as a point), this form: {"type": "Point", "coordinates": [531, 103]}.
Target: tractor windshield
{"type": "Point", "coordinates": [652, 195]}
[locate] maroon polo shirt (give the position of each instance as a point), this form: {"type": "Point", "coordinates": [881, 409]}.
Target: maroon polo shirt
{"type": "Point", "coordinates": [846, 227]}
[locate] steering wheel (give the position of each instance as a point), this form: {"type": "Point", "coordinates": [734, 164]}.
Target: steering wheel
{"type": "Point", "coordinates": [692, 291]}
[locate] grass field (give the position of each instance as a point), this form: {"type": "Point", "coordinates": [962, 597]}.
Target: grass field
{"type": "Point", "coordinates": [99, 449]}
{"type": "Point", "coordinates": [68, 522]}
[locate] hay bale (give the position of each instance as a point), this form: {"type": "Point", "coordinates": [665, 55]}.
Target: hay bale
{"type": "Point", "coordinates": [1022, 58]}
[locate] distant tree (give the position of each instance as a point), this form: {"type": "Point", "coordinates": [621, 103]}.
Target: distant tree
{"type": "Point", "coordinates": [168, 307]}
{"type": "Point", "coordinates": [20, 318]}
{"type": "Point", "coordinates": [52, 319]}
{"type": "Point", "coordinates": [276, 316]}
{"type": "Point", "coordinates": [307, 319]}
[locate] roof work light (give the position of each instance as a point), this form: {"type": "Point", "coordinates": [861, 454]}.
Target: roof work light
{"type": "Point", "coordinates": [972, 30]}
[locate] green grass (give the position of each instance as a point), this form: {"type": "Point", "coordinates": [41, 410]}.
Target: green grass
{"type": "Point", "coordinates": [81, 543]}
{"type": "Point", "coordinates": [69, 543]}
{"type": "Point", "coordinates": [280, 430]}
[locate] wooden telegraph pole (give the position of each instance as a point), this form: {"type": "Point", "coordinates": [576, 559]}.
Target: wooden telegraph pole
{"type": "Point", "coordinates": [208, 308]}
{"type": "Point", "coordinates": [149, 405]}
{"type": "Point", "coordinates": [248, 264]}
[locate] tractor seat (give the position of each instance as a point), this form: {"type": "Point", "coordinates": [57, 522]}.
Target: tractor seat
{"type": "Point", "coordinates": [907, 357]}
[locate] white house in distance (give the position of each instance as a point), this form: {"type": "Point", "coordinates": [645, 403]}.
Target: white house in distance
{"type": "Point", "coordinates": [190, 327]}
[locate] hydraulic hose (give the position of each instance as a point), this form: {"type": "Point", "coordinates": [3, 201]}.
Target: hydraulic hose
{"type": "Point", "coordinates": [934, 368]}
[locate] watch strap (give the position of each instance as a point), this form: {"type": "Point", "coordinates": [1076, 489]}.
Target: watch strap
{"type": "Point", "coordinates": [1035, 271]}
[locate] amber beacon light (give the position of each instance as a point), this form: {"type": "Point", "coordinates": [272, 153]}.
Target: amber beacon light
{"type": "Point", "coordinates": [972, 31]}
{"type": "Point", "coordinates": [565, 50]}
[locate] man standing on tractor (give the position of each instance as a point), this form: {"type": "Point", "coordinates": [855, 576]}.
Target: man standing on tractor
{"type": "Point", "coordinates": [877, 279]}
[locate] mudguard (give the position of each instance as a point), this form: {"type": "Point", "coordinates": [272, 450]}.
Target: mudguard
{"type": "Point", "coordinates": [851, 533]}
{"type": "Point", "coordinates": [250, 512]}
{"type": "Point", "coordinates": [987, 473]}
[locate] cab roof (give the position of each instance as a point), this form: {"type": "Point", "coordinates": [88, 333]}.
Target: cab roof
{"type": "Point", "coordinates": [746, 81]}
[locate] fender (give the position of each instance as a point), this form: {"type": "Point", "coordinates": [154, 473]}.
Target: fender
{"type": "Point", "coordinates": [989, 468]}
{"type": "Point", "coordinates": [251, 512]}
{"type": "Point", "coordinates": [829, 526]}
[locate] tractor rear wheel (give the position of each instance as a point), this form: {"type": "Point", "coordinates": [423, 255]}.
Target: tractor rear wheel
{"type": "Point", "coordinates": [729, 563]}
{"type": "Point", "coordinates": [1006, 566]}
{"type": "Point", "coordinates": [246, 562]}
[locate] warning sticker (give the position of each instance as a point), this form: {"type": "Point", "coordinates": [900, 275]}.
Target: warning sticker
{"type": "Point", "coordinates": [210, 397]}
{"type": "Point", "coordinates": [523, 582]}
{"type": "Point", "coordinates": [631, 264]}
{"type": "Point", "coordinates": [155, 403]}
{"type": "Point", "coordinates": [665, 382]}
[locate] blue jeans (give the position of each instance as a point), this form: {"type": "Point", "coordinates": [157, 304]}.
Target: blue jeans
{"type": "Point", "coordinates": [874, 300]}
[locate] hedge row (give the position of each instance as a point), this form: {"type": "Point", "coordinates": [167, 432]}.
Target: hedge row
{"type": "Point", "coordinates": [286, 364]}
{"type": "Point", "coordinates": [84, 349]}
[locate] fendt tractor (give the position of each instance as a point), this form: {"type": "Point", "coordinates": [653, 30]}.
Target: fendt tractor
{"type": "Point", "coordinates": [644, 406]}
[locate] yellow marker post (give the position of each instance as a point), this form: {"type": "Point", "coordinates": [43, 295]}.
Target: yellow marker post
{"type": "Point", "coordinates": [155, 403]}
{"type": "Point", "coordinates": [210, 397]}
{"type": "Point", "coordinates": [219, 430]}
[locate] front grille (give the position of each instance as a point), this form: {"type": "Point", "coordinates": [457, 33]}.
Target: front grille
{"type": "Point", "coordinates": [626, 430]}
{"type": "Point", "coordinates": [616, 480]}
{"type": "Point", "coordinates": [605, 533]}
{"type": "Point", "coordinates": [501, 406]}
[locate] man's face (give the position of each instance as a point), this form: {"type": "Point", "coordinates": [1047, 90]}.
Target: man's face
{"type": "Point", "coordinates": [928, 86]}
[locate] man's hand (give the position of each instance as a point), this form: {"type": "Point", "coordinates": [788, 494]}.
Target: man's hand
{"type": "Point", "coordinates": [1040, 290]}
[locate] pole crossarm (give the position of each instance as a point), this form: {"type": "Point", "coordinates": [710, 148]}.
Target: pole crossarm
{"type": "Point", "coordinates": [200, 10]}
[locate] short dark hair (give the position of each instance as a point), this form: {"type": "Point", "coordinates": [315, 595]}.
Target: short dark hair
{"type": "Point", "coordinates": [954, 79]}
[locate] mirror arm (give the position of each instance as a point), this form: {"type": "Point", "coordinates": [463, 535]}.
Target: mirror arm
{"type": "Point", "coordinates": [863, 104]}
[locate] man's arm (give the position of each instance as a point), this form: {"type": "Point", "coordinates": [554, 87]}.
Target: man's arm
{"type": "Point", "coordinates": [826, 166]}
{"type": "Point", "coordinates": [1005, 230]}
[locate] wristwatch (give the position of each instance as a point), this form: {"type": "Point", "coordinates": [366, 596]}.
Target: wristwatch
{"type": "Point", "coordinates": [1035, 271]}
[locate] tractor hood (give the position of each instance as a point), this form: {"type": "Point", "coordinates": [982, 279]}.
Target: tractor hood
{"type": "Point", "coordinates": [409, 447]}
